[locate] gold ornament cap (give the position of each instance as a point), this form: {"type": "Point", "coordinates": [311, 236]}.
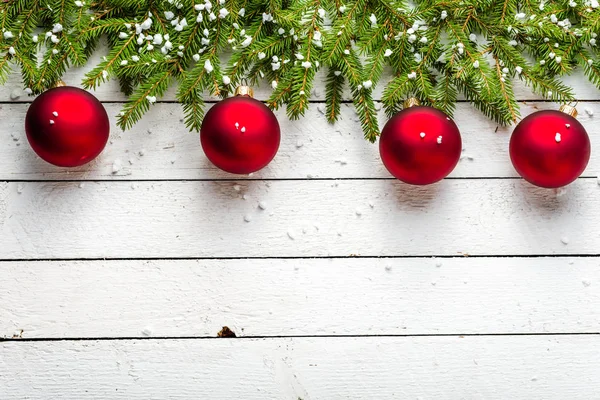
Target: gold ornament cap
{"type": "Point", "coordinates": [411, 102]}
{"type": "Point", "coordinates": [59, 83]}
{"type": "Point", "coordinates": [567, 109]}
{"type": "Point", "coordinates": [244, 91]}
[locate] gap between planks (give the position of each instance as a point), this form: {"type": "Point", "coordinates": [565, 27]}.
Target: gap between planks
{"type": "Point", "coordinates": [325, 336]}
{"type": "Point", "coordinates": [367, 257]}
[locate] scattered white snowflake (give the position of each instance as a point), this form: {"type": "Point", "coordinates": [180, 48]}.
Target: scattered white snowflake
{"type": "Point", "coordinates": [439, 140]}
{"type": "Point", "coordinates": [306, 64]}
{"type": "Point", "coordinates": [274, 84]}
{"type": "Point", "coordinates": [422, 135]}
{"type": "Point", "coordinates": [51, 122]}
{"type": "Point", "coordinates": [151, 99]}
{"type": "Point", "coordinates": [247, 41]}
{"type": "Point", "coordinates": [412, 75]}
{"type": "Point", "coordinates": [476, 64]}
{"type": "Point", "coordinates": [267, 17]}
{"type": "Point", "coordinates": [55, 113]}
{"type": "Point", "coordinates": [226, 80]}
{"type": "Point", "coordinates": [317, 36]}
{"type": "Point", "coordinates": [208, 66]}
{"type": "Point", "coordinates": [243, 129]}
{"type": "Point", "coordinates": [367, 84]}
{"type": "Point", "coordinates": [373, 20]}
{"type": "Point", "coordinates": [223, 13]}
{"type": "Point", "coordinates": [146, 24]}
{"type": "Point", "coordinates": [589, 111]}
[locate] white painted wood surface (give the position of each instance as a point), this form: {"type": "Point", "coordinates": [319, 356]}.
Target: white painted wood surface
{"type": "Point", "coordinates": [508, 367]}
{"type": "Point", "coordinates": [182, 262]}
{"type": "Point", "coordinates": [274, 297]}
{"type": "Point", "coordinates": [302, 219]}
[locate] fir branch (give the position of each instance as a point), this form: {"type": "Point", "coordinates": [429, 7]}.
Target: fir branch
{"type": "Point", "coordinates": [435, 49]}
{"type": "Point", "coordinates": [334, 88]}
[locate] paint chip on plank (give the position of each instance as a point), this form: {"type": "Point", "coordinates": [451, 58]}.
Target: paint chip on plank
{"type": "Point", "coordinates": [564, 240]}
{"type": "Point", "coordinates": [225, 332]}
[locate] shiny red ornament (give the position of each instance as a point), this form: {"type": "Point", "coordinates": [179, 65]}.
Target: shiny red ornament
{"type": "Point", "coordinates": [67, 126]}
{"type": "Point", "coordinates": [420, 145]}
{"type": "Point", "coordinates": [240, 135]}
{"type": "Point", "coordinates": [550, 148]}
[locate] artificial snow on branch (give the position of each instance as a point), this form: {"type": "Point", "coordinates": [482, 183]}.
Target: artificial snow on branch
{"type": "Point", "coordinates": [435, 50]}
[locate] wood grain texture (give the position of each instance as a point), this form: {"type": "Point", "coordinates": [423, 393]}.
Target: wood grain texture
{"type": "Point", "coordinates": [160, 147]}
{"type": "Point", "coordinates": [302, 219]}
{"type": "Point", "coordinates": [299, 297]}
{"type": "Point", "coordinates": [553, 367]}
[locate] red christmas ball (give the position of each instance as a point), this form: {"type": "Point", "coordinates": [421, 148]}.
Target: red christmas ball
{"type": "Point", "coordinates": [67, 126]}
{"type": "Point", "coordinates": [550, 148]}
{"type": "Point", "coordinates": [420, 145]}
{"type": "Point", "coordinates": [240, 135]}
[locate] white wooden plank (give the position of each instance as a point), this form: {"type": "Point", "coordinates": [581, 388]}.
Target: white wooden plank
{"type": "Point", "coordinates": [110, 91]}
{"type": "Point", "coordinates": [310, 147]}
{"type": "Point", "coordinates": [299, 297]}
{"type": "Point", "coordinates": [302, 218]}
{"type": "Point", "coordinates": [561, 367]}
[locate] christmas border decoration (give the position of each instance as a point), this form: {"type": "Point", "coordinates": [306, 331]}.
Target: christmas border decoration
{"type": "Point", "coordinates": [436, 50]}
